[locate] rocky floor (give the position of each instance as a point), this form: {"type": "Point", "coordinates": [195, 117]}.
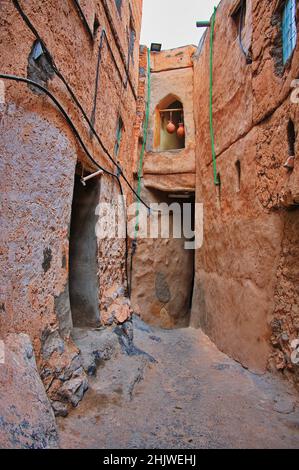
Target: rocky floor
{"type": "Point", "coordinates": [184, 394]}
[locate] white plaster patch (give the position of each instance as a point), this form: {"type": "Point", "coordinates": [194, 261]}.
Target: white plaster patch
{"type": "Point", "coordinates": [2, 92]}
{"type": "Point", "coordinates": [2, 352]}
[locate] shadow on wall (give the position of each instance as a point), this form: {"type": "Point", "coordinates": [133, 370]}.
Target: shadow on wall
{"type": "Point", "coordinates": [83, 279]}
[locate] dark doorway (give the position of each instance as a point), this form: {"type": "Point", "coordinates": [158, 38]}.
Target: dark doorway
{"type": "Point", "coordinates": [83, 278]}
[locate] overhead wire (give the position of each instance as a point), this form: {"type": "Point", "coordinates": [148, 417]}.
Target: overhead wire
{"type": "Point", "coordinates": [75, 99]}
{"type": "Point", "coordinates": [78, 137]}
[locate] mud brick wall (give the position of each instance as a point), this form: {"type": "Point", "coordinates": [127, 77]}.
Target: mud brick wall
{"type": "Point", "coordinates": [40, 157]}
{"type": "Point", "coordinates": [246, 284]}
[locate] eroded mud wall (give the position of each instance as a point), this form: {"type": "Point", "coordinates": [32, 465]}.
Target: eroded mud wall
{"type": "Point", "coordinates": [246, 283]}
{"type": "Point", "coordinates": [39, 158]}
{"type": "Point", "coordinates": [162, 277]}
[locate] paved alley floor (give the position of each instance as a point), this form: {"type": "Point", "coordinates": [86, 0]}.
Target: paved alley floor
{"type": "Point", "coordinates": [193, 396]}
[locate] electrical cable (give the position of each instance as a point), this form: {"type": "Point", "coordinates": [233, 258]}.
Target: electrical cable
{"type": "Point", "coordinates": [89, 122]}
{"type": "Point", "coordinates": [75, 131]}
{"type": "Point", "coordinates": [73, 96]}
{"type": "Point", "coordinates": [63, 112]}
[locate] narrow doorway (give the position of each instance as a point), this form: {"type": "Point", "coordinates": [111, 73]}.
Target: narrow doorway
{"type": "Point", "coordinates": [163, 269]}
{"type": "Point", "coordinates": [83, 277]}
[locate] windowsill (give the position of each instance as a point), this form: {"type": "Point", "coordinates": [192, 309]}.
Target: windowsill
{"type": "Point", "coordinates": [174, 151]}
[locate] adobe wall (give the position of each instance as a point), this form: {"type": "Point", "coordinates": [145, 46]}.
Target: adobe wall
{"type": "Point", "coordinates": [39, 158]}
{"type": "Point", "coordinates": [162, 277]}
{"type": "Point", "coordinates": [246, 295]}
{"type": "Point", "coordinates": [162, 274]}
{"type": "Point", "coordinates": [171, 74]}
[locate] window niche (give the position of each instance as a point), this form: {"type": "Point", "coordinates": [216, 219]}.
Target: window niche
{"type": "Point", "coordinates": [291, 134]}
{"type": "Point", "coordinates": [291, 138]}
{"type": "Point", "coordinates": [238, 172]}
{"type": "Point", "coordinates": [39, 68]}
{"type": "Point", "coordinates": [289, 29]}
{"type": "Point", "coordinates": [239, 17]}
{"type": "Point", "coordinates": [219, 187]}
{"type": "Point", "coordinates": [96, 25]}
{"type": "Point", "coordinates": [169, 126]}
{"type": "Point", "coordinates": [284, 19]}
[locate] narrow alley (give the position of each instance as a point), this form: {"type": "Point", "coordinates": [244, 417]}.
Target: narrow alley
{"type": "Point", "coordinates": [182, 394]}
{"type": "Point", "coordinates": [149, 224]}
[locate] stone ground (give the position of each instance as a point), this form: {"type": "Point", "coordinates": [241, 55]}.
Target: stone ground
{"type": "Point", "coordinates": [193, 396]}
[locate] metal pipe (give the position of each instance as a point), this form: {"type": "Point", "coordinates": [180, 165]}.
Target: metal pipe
{"type": "Point", "coordinates": [203, 24]}
{"type": "Point", "coordinates": [89, 177]}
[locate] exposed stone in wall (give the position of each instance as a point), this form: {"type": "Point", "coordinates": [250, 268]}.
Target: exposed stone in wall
{"type": "Point", "coordinates": [273, 180]}
{"type": "Point", "coordinates": [39, 157]}
{"type": "Point", "coordinates": [114, 302]}
{"type": "Point", "coordinates": [278, 189]}
{"type": "Point", "coordinates": [162, 278]}
{"type": "Point", "coordinates": [285, 320]}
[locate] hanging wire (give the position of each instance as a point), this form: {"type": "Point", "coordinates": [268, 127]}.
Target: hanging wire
{"type": "Point", "coordinates": [73, 96]}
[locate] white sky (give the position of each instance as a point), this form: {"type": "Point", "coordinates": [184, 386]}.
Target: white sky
{"type": "Point", "coordinates": [173, 22]}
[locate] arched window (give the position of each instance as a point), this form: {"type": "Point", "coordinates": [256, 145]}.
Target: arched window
{"type": "Point", "coordinates": [170, 127]}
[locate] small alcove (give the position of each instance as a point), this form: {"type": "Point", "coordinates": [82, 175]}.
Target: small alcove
{"type": "Point", "coordinates": [291, 138]}
{"type": "Point", "coordinates": [239, 18]}
{"type": "Point", "coordinates": [238, 171]}
{"type": "Point", "coordinates": [169, 109]}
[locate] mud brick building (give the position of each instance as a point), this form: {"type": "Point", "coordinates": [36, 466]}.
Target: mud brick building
{"type": "Point", "coordinates": [55, 274]}
{"type": "Point", "coordinates": [245, 293]}
{"type": "Point", "coordinates": [88, 116]}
